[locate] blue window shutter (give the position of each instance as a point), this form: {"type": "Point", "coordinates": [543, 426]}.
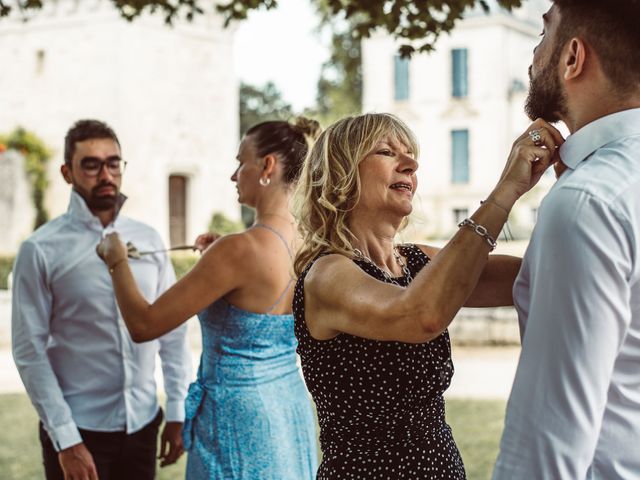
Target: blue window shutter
{"type": "Point", "coordinates": [460, 87]}
{"type": "Point", "coordinates": [460, 156]}
{"type": "Point", "coordinates": [401, 78]}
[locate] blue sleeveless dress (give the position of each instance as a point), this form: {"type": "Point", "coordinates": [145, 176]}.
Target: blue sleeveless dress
{"type": "Point", "coordinates": [248, 414]}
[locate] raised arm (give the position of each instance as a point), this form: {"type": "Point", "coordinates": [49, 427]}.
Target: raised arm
{"type": "Point", "coordinates": [363, 306]}
{"type": "Point", "coordinates": [495, 285]}
{"type": "Point", "coordinates": [217, 273]}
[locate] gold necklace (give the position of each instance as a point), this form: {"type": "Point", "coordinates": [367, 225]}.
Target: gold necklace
{"type": "Point", "coordinates": [399, 260]}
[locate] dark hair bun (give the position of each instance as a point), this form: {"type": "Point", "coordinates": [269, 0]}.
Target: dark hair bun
{"type": "Point", "coordinates": [290, 140]}
{"type": "Point", "coordinates": [308, 127]}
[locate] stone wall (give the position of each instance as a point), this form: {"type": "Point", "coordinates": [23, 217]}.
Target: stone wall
{"type": "Point", "coordinates": [17, 212]}
{"type": "Point", "coordinates": [485, 326]}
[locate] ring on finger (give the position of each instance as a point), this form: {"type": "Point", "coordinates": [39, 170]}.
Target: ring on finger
{"type": "Point", "coordinates": [535, 137]}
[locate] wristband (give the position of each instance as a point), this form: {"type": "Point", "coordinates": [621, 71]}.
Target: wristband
{"type": "Point", "coordinates": [113, 267]}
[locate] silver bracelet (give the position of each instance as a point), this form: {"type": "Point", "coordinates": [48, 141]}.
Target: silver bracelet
{"type": "Point", "coordinates": [480, 230]}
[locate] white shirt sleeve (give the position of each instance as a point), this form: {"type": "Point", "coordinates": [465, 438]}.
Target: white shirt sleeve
{"type": "Point", "coordinates": [30, 317]}
{"type": "Point", "coordinates": [577, 266]}
{"type": "Point", "coordinates": [175, 355]}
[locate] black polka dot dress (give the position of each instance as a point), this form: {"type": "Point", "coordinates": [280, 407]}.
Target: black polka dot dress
{"type": "Point", "coordinates": [380, 404]}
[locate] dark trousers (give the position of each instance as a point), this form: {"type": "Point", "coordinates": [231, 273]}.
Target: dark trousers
{"type": "Point", "coordinates": [117, 456]}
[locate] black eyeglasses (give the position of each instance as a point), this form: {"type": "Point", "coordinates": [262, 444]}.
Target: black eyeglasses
{"type": "Point", "coordinates": [92, 166]}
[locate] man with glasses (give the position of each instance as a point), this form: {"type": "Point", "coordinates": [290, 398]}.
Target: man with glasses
{"type": "Point", "coordinates": [92, 386]}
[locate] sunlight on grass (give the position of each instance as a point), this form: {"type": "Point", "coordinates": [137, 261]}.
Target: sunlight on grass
{"type": "Point", "coordinates": [476, 425]}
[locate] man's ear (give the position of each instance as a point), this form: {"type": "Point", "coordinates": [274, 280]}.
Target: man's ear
{"type": "Point", "coordinates": [574, 58]}
{"type": "Point", "coordinates": [66, 173]}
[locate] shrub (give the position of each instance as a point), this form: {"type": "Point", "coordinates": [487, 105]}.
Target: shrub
{"type": "Point", "coordinates": [36, 155]}
{"type": "Point", "coordinates": [6, 264]}
{"type": "Point", "coordinates": [223, 225]}
{"type": "Point", "coordinates": [183, 262]}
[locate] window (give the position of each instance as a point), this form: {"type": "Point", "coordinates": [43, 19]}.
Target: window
{"type": "Point", "coordinates": [177, 210]}
{"type": "Point", "coordinates": [460, 156]}
{"type": "Point", "coordinates": [459, 214]}
{"type": "Point", "coordinates": [459, 72]}
{"type": "Point", "coordinates": [401, 78]}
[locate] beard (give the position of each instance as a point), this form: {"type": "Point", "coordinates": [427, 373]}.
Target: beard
{"type": "Point", "coordinates": [99, 203]}
{"type": "Point", "coordinates": [546, 98]}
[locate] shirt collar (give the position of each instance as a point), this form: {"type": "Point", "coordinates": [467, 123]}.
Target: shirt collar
{"type": "Point", "coordinates": [79, 210]}
{"type": "Point", "coordinates": [597, 134]}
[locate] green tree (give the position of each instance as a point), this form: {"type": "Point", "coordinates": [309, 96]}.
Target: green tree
{"type": "Point", "coordinates": [36, 155]}
{"type": "Point", "coordinates": [420, 22]}
{"type": "Point", "coordinates": [340, 85]}
{"type": "Point", "coordinates": [259, 104]}
{"type": "Point", "coordinates": [221, 224]}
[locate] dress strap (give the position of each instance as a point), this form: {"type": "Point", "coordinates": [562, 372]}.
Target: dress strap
{"type": "Point", "coordinates": [278, 234]}
{"type": "Point", "coordinates": [286, 245]}
{"type": "Point", "coordinates": [281, 297]}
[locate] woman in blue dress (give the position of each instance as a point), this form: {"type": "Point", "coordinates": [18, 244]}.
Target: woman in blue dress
{"type": "Point", "coordinates": [248, 414]}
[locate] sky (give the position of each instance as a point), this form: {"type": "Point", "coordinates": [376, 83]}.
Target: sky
{"type": "Point", "coordinates": [280, 45]}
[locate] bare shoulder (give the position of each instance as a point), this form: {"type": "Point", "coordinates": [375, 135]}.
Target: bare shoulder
{"type": "Point", "coordinates": [327, 272]}
{"type": "Point", "coordinates": [230, 249]}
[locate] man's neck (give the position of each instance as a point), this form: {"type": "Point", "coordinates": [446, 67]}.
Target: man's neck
{"type": "Point", "coordinates": [105, 216]}
{"type": "Point", "coordinates": [588, 110]}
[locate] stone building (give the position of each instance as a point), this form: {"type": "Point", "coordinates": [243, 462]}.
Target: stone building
{"type": "Point", "coordinates": [17, 213]}
{"type": "Point", "coordinates": [465, 103]}
{"type": "Point", "coordinates": [169, 93]}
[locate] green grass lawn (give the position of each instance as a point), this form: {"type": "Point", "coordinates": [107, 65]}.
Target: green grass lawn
{"type": "Point", "coordinates": [476, 426]}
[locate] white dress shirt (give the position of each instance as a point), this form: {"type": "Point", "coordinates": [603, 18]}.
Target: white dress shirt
{"type": "Point", "coordinates": [574, 411]}
{"type": "Point", "coordinates": [73, 351]}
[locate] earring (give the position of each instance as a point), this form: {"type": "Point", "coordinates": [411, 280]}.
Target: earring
{"type": "Point", "coordinates": [264, 181]}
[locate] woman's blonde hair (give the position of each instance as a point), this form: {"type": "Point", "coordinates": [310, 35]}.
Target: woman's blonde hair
{"type": "Point", "coordinates": [329, 185]}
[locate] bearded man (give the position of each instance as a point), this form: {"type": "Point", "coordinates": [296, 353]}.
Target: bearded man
{"type": "Point", "coordinates": [574, 411]}
{"type": "Point", "coordinates": [92, 386]}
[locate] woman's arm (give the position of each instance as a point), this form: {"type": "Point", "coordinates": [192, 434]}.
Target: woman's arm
{"type": "Point", "coordinates": [217, 273]}
{"type": "Point", "coordinates": [494, 288]}
{"type": "Point", "coordinates": [340, 297]}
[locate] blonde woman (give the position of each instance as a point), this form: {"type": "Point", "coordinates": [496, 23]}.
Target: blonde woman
{"type": "Point", "coordinates": [248, 415]}
{"type": "Point", "coordinates": [371, 317]}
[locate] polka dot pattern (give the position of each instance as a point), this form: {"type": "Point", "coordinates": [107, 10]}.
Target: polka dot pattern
{"type": "Point", "coordinates": [380, 405]}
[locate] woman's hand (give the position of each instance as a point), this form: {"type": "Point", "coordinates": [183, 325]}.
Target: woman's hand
{"type": "Point", "coordinates": [112, 250]}
{"type": "Point", "coordinates": [532, 153]}
{"type": "Point", "coordinates": [205, 240]}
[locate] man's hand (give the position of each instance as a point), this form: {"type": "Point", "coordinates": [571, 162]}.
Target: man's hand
{"type": "Point", "coordinates": [171, 447]}
{"type": "Point", "coordinates": [77, 463]}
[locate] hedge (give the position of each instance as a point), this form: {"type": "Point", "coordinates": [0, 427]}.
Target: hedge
{"type": "Point", "coordinates": [6, 263]}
